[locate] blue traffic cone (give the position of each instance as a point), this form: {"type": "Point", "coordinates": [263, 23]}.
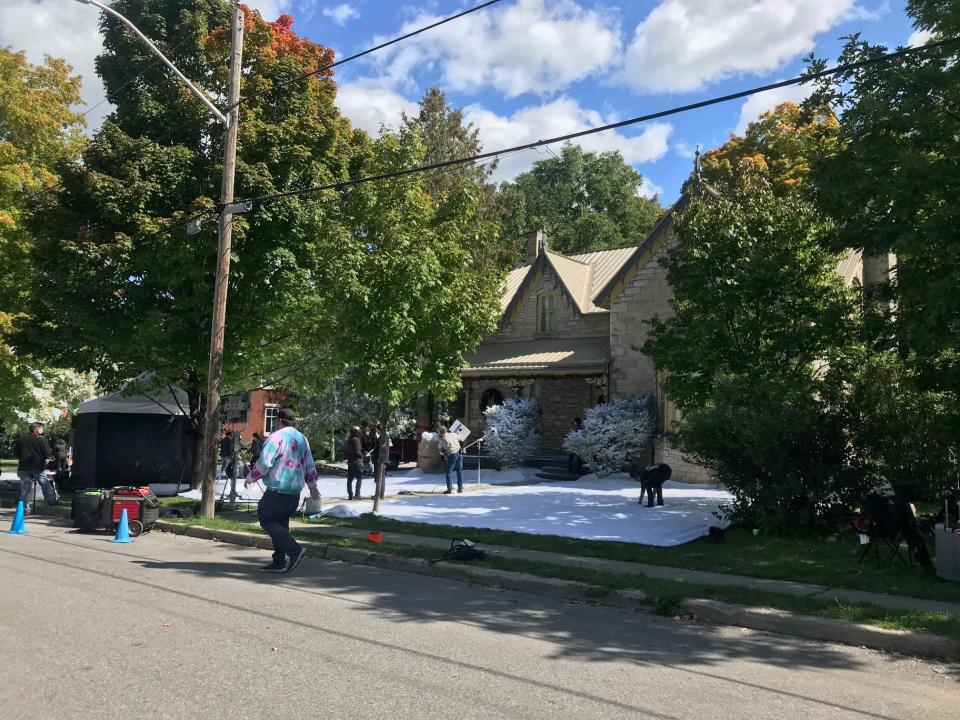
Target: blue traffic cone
{"type": "Point", "coordinates": [19, 527]}
{"type": "Point", "coordinates": [123, 529]}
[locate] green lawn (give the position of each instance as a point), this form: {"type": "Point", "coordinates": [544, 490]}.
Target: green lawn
{"type": "Point", "coordinates": [829, 561]}
{"type": "Point", "coordinates": [665, 594]}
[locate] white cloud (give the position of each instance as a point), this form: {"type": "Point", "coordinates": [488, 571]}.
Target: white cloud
{"type": "Point", "coordinates": [859, 12]}
{"type": "Point", "coordinates": [269, 9]}
{"type": "Point", "coordinates": [682, 149]}
{"type": "Point", "coordinates": [684, 44]}
{"type": "Point", "coordinates": [919, 37]}
{"type": "Point", "coordinates": [369, 106]}
{"type": "Point", "coordinates": [65, 30]}
{"type": "Point", "coordinates": [649, 189]}
{"type": "Point", "coordinates": [531, 46]}
{"type": "Point", "coordinates": [758, 104]}
{"type": "Point", "coordinates": [71, 31]}
{"type": "Point", "coordinates": [560, 117]}
{"type": "Point", "coordinates": [341, 13]}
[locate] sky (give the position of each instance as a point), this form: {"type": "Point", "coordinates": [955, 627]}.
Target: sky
{"type": "Point", "coordinates": [524, 70]}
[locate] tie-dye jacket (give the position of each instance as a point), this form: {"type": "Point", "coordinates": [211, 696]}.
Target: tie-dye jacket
{"type": "Point", "coordinates": [285, 463]}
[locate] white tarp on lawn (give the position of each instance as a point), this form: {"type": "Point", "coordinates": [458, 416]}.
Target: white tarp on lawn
{"type": "Point", "coordinates": [590, 508]}
{"type": "Point", "coordinates": [334, 487]}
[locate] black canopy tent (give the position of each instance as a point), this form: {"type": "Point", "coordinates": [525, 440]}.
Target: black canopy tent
{"type": "Point", "coordinates": [135, 440]}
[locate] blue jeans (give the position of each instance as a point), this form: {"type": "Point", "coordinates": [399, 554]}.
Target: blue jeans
{"type": "Point", "coordinates": [273, 512]}
{"type": "Point", "coordinates": [26, 486]}
{"type": "Point", "coordinates": [455, 462]}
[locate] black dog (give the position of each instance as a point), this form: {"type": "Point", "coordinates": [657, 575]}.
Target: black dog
{"type": "Point", "coordinates": [651, 480]}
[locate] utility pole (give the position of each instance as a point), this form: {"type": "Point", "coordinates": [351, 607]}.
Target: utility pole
{"type": "Point", "coordinates": [222, 280]}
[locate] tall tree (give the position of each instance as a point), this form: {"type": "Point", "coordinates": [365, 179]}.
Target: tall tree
{"type": "Point", "coordinates": [38, 133]}
{"type": "Point", "coordinates": [447, 137]}
{"type": "Point", "coordinates": [409, 304]}
{"type": "Point", "coordinates": [120, 287]}
{"type": "Point", "coordinates": [892, 184]}
{"type": "Point", "coordinates": [585, 201]}
{"type": "Point", "coordinates": [763, 326]}
{"type": "Point", "coordinates": [782, 142]}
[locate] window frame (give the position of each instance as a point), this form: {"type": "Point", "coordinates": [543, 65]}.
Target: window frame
{"type": "Point", "coordinates": [553, 312]}
{"type": "Point", "coordinates": [266, 417]}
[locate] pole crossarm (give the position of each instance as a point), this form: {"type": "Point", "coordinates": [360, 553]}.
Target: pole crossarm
{"type": "Point", "coordinates": [196, 91]}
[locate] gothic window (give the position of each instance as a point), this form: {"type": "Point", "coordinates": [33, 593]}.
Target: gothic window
{"type": "Point", "coordinates": [547, 314]}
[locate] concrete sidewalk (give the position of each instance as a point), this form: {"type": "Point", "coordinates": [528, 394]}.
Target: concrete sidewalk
{"type": "Point", "coordinates": [699, 577]}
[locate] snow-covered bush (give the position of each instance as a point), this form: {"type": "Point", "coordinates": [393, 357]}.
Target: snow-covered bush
{"type": "Point", "coordinates": [511, 430]}
{"type": "Point", "coordinates": [613, 434]}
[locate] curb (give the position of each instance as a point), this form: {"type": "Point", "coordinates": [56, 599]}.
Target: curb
{"type": "Point", "coordinates": [902, 642]}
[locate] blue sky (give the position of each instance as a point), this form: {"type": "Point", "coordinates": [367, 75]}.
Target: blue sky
{"type": "Point", "coordinates": [529, 69]}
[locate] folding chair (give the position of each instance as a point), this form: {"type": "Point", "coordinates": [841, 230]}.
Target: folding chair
{"type": "Point", "coordinates": [878, 521]}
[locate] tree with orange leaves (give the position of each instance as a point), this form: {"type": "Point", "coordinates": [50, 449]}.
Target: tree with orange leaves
{"type": "Point", "coordinates": [121, 287]}
{"type": "Point", "coordinates": [781, 142]}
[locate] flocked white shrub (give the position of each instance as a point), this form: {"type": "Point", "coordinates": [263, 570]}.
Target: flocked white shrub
{"type": "Point", "coordinates": [511, 430]}
{"type": "Point", "coordinates": [614, 434]}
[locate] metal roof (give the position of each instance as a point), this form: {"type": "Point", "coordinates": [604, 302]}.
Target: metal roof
{"type": "Point", "coordinates": [583, 275]}
{"type": "Point", "coordinates": [571, 355]}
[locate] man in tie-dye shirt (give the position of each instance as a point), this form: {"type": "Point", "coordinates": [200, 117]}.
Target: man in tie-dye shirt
{"type": "Point", "coordinates": [285, 465]}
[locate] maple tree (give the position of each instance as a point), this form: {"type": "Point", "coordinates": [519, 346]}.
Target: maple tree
{"type": "Point", "coordinates": [782, 143]}
{"type": "Point", "coordinates": [121, 288]}
{"type": "Point", "coordinates": [39, 132]}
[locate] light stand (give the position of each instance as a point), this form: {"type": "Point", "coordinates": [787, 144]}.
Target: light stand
{"type": "Point", "coordinates": [478, 442]}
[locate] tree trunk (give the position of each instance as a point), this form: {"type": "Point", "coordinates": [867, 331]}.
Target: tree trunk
{"type": "Point", "coordinates": [380, 484]}
{"type": "Point", "coordinates": [198, 405]}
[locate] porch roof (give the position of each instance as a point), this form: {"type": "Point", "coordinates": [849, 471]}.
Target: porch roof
{"type": "Point", "coordinates": [575, 356]}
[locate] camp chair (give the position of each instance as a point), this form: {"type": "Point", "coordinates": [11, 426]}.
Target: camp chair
{"type": "Point", "coordinates": [878, 519]}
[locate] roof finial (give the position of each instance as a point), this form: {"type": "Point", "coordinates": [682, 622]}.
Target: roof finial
{"type": "Point", "coordinates": [697, 166]}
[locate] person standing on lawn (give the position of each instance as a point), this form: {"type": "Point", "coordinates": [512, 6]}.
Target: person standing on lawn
{"type": "Point", "coordinates": [32, 451]}
{"type": "Point", "coordinates": [450, 449]}
{"type": "Point", "coordinates": [354, 453]}
{"type": "Point", "coordinates": [285, 465]}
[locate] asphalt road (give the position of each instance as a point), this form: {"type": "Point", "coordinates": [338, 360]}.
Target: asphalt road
{"type": "Point", "coordinates": [173, 627]}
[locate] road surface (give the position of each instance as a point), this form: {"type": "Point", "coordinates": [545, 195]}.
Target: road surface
{"type": "Point", "coordinates": [174, 627]}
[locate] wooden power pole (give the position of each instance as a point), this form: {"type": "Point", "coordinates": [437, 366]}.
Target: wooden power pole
{"type": "Point", "coordinates": [222, 280]}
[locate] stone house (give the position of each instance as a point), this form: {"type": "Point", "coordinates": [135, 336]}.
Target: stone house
{"type": "Point", "coordinates": [572, 334]}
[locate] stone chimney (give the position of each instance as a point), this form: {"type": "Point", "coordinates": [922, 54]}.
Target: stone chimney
{"type": "Point", "coordinates": [536, 242]}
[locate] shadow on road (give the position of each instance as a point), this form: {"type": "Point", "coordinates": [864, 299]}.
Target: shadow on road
{"type": "Point", "coordinates": [601, 635]}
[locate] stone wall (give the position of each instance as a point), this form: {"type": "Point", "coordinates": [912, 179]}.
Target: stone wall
{"type": "Point", "coordinates": [645, 297]}
{"type": "Point", "coordinates": [570, 323]}
{"type": "Point", "coordinates": [684, 470]}
{"type": "Point", "coordinates": [561, 400]}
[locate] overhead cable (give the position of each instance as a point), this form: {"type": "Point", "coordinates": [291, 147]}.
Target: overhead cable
{"type": "Point", "coordinates": [809, 77]}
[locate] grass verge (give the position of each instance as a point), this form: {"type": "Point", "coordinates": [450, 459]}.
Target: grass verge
{"type": "Point", "coordinates": [665, 595]}
{"type": "Point", "coordinates": [824, 560]}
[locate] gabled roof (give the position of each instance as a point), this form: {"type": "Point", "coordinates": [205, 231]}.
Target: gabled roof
{"type": "Point", "coordinates": [575, 276]}
{"type": "Point", "coordinates": [643, 252]}
{"type": "Point", "coordinates": [582, 277]}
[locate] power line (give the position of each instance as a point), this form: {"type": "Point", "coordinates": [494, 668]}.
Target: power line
{"type": "Point", "coordinates": [132, 151]}
{"type": "Point", "coordinates": [613, 126]}
{"type": "Point", "coordinates": [140, 74]}
{"type": "Point", "coordinates": [347, 59]}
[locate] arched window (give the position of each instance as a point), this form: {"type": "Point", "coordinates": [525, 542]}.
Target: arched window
{"type": "Point", "coordinates": [490, 397]}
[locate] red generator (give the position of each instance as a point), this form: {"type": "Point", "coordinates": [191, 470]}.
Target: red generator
{"type": "Point", "coordinates": [142, 506]}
